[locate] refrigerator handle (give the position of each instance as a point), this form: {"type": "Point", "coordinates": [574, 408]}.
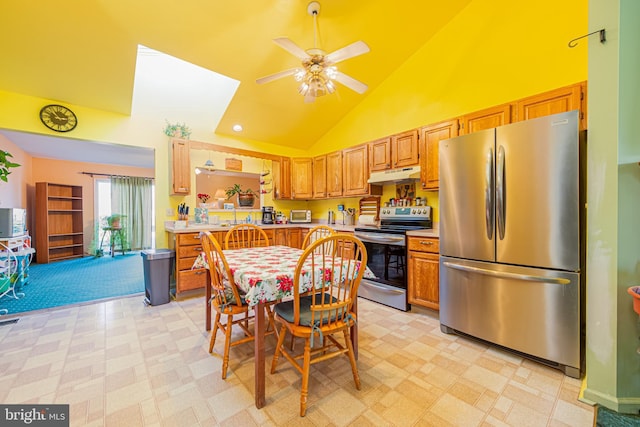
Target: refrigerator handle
{"type": "Point", "coordinates": [507, 275]}
{"type": "Point", "coordinates": [500, 193]}
{"type": "Point", "coordinates": [489, 200]}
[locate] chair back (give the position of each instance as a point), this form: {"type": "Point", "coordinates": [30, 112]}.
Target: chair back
{"type": "Point", "coordinates": [317, 232]}
{"type": "Point", "coordinates": [224, 291]}
{"type": "Point", "coordinates": [245, 236]}
{"type": "Point", "coordinates": [328, 275]}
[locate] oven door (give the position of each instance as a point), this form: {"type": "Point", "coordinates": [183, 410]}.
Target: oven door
{"type": "Point", "coordinates": [387, 259]}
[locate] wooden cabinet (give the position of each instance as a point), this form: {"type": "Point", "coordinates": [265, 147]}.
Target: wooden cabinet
{"type": "Point", "coordinates": [59, 225]}
{"type": "Point", "coordinates": [423, 273]}
{"type": "Point", "coordinates": [319, 173]}
{"type": "Point", "coordinates": [396, 151]}
{"type": "Point", "coordinates": [288, 237]}
{"type": "Point", "coordinates": [404, 149]}
{"type": "Point", "coordinates": [355, 172]}
{"type": "Point", "coordinates": [429, 157]}
{"type": "Point", "coordinates": [281, 178]}
{"type": "Point", "coordinates": [334, 174]}
{"type": "Point", "coordinates": [485, 119]}
{"type": "Point", "coordinates": [302, 178]}
{"type": "Point", "coordinates": [180, 167]}
{"type": "Point", "coordinates": [556, 101]}
{"type": "Point", "coordinates": [380, 154]}
{"type": "Point", "coordinates": [188, 247]}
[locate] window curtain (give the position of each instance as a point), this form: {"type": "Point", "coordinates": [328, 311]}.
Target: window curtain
{"type": "Point", "coordinates": [132, 197]}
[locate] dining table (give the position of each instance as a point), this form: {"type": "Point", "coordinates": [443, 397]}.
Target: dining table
{"type": "Point", "coordinates": [263, 275]}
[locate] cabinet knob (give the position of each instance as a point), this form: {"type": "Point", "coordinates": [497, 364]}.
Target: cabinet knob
{"type": "Point", "coordinates": [198, 249]}
{"type": "Point", "coordinates": [201, 271]}
{"type": "Point", "coordinates": [425, 242]}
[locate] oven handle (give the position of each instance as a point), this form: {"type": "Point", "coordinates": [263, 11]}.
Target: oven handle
{"type": "Point", "coordinates": [382, 288]}
{"type": "Point", "coordinates": [385, 240]}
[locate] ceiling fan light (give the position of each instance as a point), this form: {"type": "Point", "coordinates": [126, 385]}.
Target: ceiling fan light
{"type": "Point", "coordinates": [303, 89]}
{"type": "Point", "coordinates": [330, 87]}
{"type": "Point", "coordinates": [299, 75]}
{"type": "Point", "coordinates": [331, 72]}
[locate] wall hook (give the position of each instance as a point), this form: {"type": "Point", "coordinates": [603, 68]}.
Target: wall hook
{"type": "Point", "coordinates": [603, 38]}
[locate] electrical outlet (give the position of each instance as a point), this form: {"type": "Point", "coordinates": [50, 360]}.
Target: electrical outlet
{"type": "Point", "coordinates": [169, 212]}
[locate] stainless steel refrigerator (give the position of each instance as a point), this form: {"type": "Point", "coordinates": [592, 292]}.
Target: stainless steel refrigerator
{"type": "Point", "coordinates": [511, 231]}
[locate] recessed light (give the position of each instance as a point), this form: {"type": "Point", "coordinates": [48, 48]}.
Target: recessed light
{"type": "Point", "coordinates": [237, 128]}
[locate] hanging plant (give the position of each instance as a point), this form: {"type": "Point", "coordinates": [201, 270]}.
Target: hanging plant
{"type": "Point", "coordinates": [178, 130]}
{"type": "Point", "coordinates": [5, 165]}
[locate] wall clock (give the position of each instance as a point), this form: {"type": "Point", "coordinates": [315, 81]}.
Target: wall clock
{"type": "Point", "coordinates": [58, 118]}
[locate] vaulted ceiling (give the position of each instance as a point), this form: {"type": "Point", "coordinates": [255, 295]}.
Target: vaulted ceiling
{"type": "Point", "coordinates": [84, 52]}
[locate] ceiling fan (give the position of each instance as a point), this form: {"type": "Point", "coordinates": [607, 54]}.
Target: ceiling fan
{"type": "Point", "coordinates": [318, 72]}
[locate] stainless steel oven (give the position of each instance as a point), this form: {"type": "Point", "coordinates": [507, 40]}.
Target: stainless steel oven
{"type": "Point", "coordinates": [387, 254]}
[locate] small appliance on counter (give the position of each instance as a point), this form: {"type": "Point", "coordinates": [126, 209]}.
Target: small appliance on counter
{"type": "Point", "coordinates": [331, 219]}
{"type": "Point", "coordinates": [268, 217]}
{"type": "Point", "coordinates": [300, 215]}
{"type": "Point", "coordinates": [281, 218]}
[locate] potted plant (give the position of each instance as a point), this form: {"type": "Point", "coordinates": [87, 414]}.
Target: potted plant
{"type": "Point", "coordinates": [5, 165]}
{"type": "Point", "coordinates": [113, 220]}
{"type": "Point", "coordinates": [203, 197]}
{"type": "Point", "coordinates": [634, 291]}
{"type": "Point", "coordinates": [178, 130]}
{"type": "Point", "coordinates": [245, 197]}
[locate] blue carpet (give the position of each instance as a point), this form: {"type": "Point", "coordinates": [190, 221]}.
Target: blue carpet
{"type": "Point", "coordinates": [607, 418]}
{"type": "Point", "coordinates": [77, 281]}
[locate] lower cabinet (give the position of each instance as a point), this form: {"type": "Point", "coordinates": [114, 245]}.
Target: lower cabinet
{"type": "Point", "coordinates": [187, 247]}
{"type": "Point", "coordinates": [288, 237]}
{"type": "Point", "coordinates": [423, 275]}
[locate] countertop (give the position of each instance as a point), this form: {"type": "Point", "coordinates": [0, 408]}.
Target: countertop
{"type": "Point", "coordinates": [192, 227]}
{"type": "Point", "coordinates": [429, 232]}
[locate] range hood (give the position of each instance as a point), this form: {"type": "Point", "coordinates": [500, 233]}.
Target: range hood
{"type": "Point", "coordinates": [407, 174]}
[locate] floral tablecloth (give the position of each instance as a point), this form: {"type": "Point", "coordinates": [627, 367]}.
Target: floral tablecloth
{"type": "Point", "coordinates": [266, 273]}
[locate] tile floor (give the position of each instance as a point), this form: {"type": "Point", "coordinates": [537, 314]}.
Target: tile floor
{"type": "Point", "coordinates": [120, 363]}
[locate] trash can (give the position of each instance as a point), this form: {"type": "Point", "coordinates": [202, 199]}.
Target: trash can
{"type": "Point", "coordinates": [158, 265]}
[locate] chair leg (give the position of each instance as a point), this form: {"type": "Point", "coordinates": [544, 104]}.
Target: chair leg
{"type": "Point", "coordinates": [276, 355]}
{"type": "Point", "coordinates": [214, 332]}
{"type": "Point", "coordinates": [227, 345]}
{"type": "Point", "coordinates": [352, 359]}
{"type": "Point", "coordinates": [304, 389]}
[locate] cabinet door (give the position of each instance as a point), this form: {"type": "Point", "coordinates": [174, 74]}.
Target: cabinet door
{"type": "Point", "coordinates": [355, 172]}
{"type": "Point", "coordinates": [423, 279]}
{"type": "Point", "coordinates": [302, 178]}
{"type": "Point", "coordinates": [486, 119]}
{"type": "Point", "coordinates": [295, 237]}
{"type": "Point", "coordinates": [404, 149]}
{"type": "Point", "coordinates": [380, 154]}
{"type": "Point", "coordinates": [281, 178]}
{"type": "Point", "coordinates": [334, 174]}
{"type": "Point", "coordinates": [280, 237]}
{"type": "Point", "coordinates": [556, 101]}
{"type": "Point", "coordinates": [319, 177]}
{"type": "Point", "coordinates": [429, 157]}
{"type": "Point", "coordinates": [180, 167]}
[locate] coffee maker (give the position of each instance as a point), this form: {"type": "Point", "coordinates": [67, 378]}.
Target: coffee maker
{"type": "Point", "coordinates": [267, 215]}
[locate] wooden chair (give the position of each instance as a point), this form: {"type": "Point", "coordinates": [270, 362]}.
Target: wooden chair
{"type": "Point", "coordinates": [318, 314]}
{"type": "Point", "coordinates": [317, 232]}
{"type": "Point", "coordinates": [226, 300]}
{"type": "Point", "coordinates": [245, 236]}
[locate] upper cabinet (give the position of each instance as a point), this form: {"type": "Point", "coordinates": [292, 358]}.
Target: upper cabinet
{"type": "Point", "coordinates": [556, 101]}
{"type": "Point", "coordinates": [302, 178]}
{"type": "Point", "coordinates": [355, 172]}
{"type": "Point", "coordinates": [281, 178]}
{"type": "Point", "coordinates": [485, 119]}
{"type": "Point", "coordinates": [404, 149]}
{"type": "Point", "coordinates": [380, 154]}
{"type": "Point", "coordinates": [395, 151]}
{"type": "Point", "coordinates": [319, 177]}
{"type": "Point", "coordinates": [334, 174]}
{"type": "Point", "coordinates": [430, 137]}
{"type": "Point", "coordinates": [180, 167]}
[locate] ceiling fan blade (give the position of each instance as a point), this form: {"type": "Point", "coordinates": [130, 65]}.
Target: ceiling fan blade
{"type": "Point", "coordinates": [291, 47]}
{"type": "Point", "coordinates": [354, 49]}
{"type": "Point", "coordinates": [351, 83]}
{"type": "Point", "coordinates": [276, 76]}
{"type": "Point", "coordinates": [308, 98]}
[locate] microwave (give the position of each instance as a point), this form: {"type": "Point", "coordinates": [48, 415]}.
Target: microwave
{"type": "Point", "coordinates": [13, 222]}
{"type": "Point", "coordinates": [300, 215]}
